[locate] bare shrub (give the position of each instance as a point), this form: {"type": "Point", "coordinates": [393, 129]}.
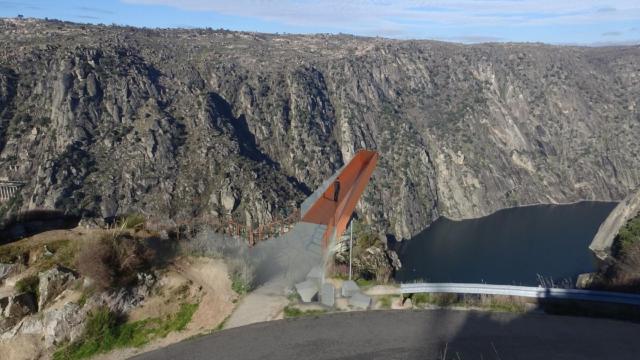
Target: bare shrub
{"type": "Point", "coordinates": [93, 260]}
{"type": "Point", "coordinates": [114, 260]}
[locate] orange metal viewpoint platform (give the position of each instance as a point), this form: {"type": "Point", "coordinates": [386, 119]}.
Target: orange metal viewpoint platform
{"type": "Point", "coordinates": [333, 203]}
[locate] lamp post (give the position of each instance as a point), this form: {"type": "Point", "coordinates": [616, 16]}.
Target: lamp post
{"type": "Point", "coordinates": [350, 246]}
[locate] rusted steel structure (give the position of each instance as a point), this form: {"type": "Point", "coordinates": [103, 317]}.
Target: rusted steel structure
{"type": "Point", "coordinates": [334, 202]}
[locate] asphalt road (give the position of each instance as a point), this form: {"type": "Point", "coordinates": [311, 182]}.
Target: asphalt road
{"type": "Point", "coordinates": [441, 334]}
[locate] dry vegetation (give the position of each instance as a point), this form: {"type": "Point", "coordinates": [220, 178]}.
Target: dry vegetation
{"type": "Point", "coordinates": [488, 302]}
{"type": "Point", "coordinates": [114, 260]}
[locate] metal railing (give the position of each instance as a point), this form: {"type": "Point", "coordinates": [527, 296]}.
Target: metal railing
{"type": "Point", "coordinates": [522, 291]}
{"type": "Point", "coordinates": [251, 235]}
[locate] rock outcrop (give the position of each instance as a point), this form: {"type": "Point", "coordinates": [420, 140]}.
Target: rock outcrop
{"type": "Point", "coordinates": [104, 120]}
{"type": "Point", "coordinates": [52, 283]}
{"type": "Point", "coordinates": [20, 305]}
{"type": "Point", "coordinates": [56, 326]}
{"type": "Point", "coordinates": [6, 270]}
{"type": "Point", "coordinates": [623, 212]}
{"type": "Point", "coordinates": [375, 263]}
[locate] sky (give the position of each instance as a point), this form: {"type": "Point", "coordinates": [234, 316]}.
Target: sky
{"type": "Point", "coordinates": [585, 22]}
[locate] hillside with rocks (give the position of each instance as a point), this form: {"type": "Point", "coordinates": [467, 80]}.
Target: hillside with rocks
{"type": "Point", "coordinates": [99, 121]}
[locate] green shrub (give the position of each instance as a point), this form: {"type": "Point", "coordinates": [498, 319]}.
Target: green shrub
{"type": "Point", "coordinates": [420, 299]}
{"type": "Point", "coordinates": [385, 302]}
{"type": "Point", "coordinates": [627, 237]}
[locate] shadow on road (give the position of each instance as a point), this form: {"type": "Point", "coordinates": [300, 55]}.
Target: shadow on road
{"type": "Point", "coordinates": [435, 334]}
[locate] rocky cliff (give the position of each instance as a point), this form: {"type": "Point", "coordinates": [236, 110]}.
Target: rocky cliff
{"type": "Point", "coordinates": [100, 121]}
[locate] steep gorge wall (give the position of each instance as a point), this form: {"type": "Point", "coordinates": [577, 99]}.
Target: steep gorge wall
{"type": "Point", "coordinates": [177, 123]}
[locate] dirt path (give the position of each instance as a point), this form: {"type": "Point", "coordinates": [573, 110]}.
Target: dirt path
{"type": "Point", "coordinates": [215, 305]}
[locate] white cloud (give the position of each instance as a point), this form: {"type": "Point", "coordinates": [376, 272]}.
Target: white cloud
{"type": "Point", "coordinates": [366, 16]}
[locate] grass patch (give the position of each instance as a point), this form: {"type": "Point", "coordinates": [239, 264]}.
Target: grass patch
{"type": "Point", "coordinates": [489, 302]}
{"type": "Point", "coordinates": [365, 282]}
{"type": "Point", "coordinates": [222, 324]}
{"type": "Point", "coordinates": [64, 253]}
{"type": "Point", "coordinates": [29, 284]}
{"type": "Point", "coordinates": [439, 299]}
{"type": "Point", "coordinates": [385, 302]}
{"type": "Point", "coordinates": [105, 332]}
{"type": "Point", "coordinates": [10, 254]}
{"type": "Point", "coordinates": [294, 297]}
{"type": "Point", "coordinates": [514, 307]}
{"type": "Point", "coordinates": [294, 312]}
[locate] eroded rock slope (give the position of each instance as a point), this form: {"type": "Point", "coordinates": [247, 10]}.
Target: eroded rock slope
{"type": "Point", "coordinates": [178, 123]}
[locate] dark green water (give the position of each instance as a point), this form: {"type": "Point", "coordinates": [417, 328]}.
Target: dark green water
{"type": "Point", "coordinates": [508, 247]}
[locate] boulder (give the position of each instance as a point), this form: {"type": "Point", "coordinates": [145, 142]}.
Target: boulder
{"type": "Point", "coordinates": [56, 326]}
{"type": "Point", "coordinates": [229, 199]}
{"type": "Point", "coordinates": [349, 288]}
{"type": "Point", "coordinates": [120, 301]}
{"type": "Point", "coordinates": [53, 282]}
{"type": "Point", "coordinates": [62, 325]}
{"type": "Point", "coordinates": [6, 270]}
{"type": "Point", "coordinates": [394, 260]}
{"type": "Point", "coordinates": [145, 284]}
{"type": "Point", "coordinates": [373, 262]}
{"type": "Point", "coordinates": [20, 305]}
{"type": "Point", "coordinates": [585, 280]}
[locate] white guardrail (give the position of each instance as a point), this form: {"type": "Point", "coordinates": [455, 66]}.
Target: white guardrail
{"type": "Point", "coordinates": [524, 291]}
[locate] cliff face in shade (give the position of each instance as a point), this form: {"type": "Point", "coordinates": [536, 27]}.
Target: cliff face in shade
{"type": "Point", "coordinates": [103, 120]}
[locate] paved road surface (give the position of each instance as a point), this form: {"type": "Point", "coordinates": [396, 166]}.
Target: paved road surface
{"type": "Point", "coordinates": [417, 335]}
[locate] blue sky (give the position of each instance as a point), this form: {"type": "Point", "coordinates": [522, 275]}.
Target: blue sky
{"type": "Point", "coordinates": [586, 22]}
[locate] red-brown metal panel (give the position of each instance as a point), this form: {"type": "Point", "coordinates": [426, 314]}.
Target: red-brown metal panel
{"type": "Point", "coordinates": [335, 206]}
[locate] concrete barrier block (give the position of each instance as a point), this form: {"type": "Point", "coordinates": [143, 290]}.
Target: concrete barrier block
{"type": "Point", "coordinates": [307, 290]}
{"type": "Point", "coordinates": [349, 288]}
{"type": "Point", "coordinates": [328, 294]}
{"type": "Point", "coordinates": [360, 301]}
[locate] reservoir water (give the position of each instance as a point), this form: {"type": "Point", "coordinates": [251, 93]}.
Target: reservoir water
{"type": "Point", "coordinates": [510, 247]}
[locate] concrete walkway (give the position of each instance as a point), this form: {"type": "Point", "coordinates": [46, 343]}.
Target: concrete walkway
{"type": "Point", "coordinates": [263, 304]}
